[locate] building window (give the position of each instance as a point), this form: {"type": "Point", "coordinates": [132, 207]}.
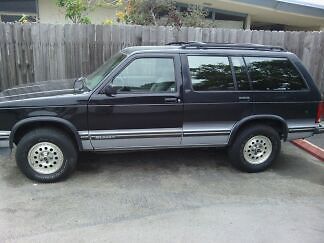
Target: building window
{"type": "Point", "coordinates": [15, 18]}
{"type": "Point", "coordinates": [13, 10]}
{"type": "Point", "coordinates": [216, 14]}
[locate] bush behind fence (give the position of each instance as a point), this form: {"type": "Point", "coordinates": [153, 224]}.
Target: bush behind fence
{"type": "Point", "coordinates": [38, 52]}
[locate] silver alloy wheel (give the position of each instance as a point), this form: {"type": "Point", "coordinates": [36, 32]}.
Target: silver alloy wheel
{"type": "Point", "coordinates": [45, 158]}
{"type": "Point", "coordinates": [257, 149]}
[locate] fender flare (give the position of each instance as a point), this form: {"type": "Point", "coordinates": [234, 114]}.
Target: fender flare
{"type": "Point", "coordinates": [54, 120]}
{"type": "Point", "coordinates": [245, 120]}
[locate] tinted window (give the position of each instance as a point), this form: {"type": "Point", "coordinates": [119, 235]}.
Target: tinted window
{"type": "Point", "coordinates": [153, 75]}
{"type": "Point", "coordinates": [274, 74]}
{"type": "Point", "coordinates": [240, 73]}
{"type": "Point", "coordinates": [210, 73]}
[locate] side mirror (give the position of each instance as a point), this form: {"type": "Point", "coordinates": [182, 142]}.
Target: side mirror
{"type": "Point", "coordinates": [110, 90]}
{"type": "Point", "coordinates": [78, 84]}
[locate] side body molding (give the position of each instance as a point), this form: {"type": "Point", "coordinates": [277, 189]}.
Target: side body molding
{"type": "Point", "coordinates": [253, 118]}
{"type": "Point", "coordinates": [49, 119]}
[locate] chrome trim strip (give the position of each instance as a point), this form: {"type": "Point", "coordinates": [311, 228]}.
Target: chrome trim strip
{"type": "Point", "coordinates": [130, 133]}
{"type": "Point", "coordinates": [86, 144]}
{"type": "Point", "coordinates": [125, 138]}
{"type": "Point", "coordinates": [4, 143]}
{"type": "Point", "coordinates": [153, 138]}
{"type": "Point", "coordinates": [205, 133]}
{"type": "Point", "coordinates": [84, 135]}
{"type": "Point", "coordinates": [4, 139]}
{"type": "Point", "coordinates": [39, 92]}
{"type": "Point", "coordinates": [157, 131]}
{"type": "Point", "coordinates": [132, 148]}
{"type": "Point", "coordinates": [212, 140]}
{"type": "Point", "coordinates": [135, 142]}
{"type": "Point", "coordinates": [127, 105]}
{"type": "Point", "coordinates": [301, 129]}
{"type": "Point", "coordinates": [129, 136]}
{"type": "Point", "coordinates": [148, 133]}
{"type": "Point", "coordinates": [5, 133]}
{"type": "Point", "coordinates": [301, 123]}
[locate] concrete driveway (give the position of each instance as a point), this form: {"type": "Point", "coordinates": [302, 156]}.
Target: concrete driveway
{"type": "Point", "coordinates": [166, 196]}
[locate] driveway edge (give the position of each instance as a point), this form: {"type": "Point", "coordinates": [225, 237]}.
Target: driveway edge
{"type": "Point", "coordinates": [310, 148]}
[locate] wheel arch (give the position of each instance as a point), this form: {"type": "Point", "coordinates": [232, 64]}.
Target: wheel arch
{"type": "Point", "coordinates": [20, 128]}
{"type": "Point", "coordinates": [271, 120]}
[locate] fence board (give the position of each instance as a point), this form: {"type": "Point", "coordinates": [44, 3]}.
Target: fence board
{"type": "Point", "coordinates": [3, 58]}
{"type": "Point", "coordinates": [36, 52]}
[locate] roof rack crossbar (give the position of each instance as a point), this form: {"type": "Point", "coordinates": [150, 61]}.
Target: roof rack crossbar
{"type": "Point", "coordinates": [210, 45]}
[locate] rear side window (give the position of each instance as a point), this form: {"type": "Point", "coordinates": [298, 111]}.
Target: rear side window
{"type": "Point", "coordinates": [274, 74]}
{"type": "Point", "coordinates": [210, 73]}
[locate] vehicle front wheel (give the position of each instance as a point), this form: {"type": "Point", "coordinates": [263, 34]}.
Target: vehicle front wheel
{"type": "Point", "coordinates": [255, 148]}
{"type": "Point", "coordinates": [46, 155]}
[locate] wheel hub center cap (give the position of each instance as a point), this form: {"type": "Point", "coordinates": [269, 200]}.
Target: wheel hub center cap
{"type": "Point", "coordinates": [257, 149]}
{"type": "Point", "coordinates": [45, 157]}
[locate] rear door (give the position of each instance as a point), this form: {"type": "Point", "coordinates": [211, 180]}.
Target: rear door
{"type": "Point", "coordinates": [212, 101]}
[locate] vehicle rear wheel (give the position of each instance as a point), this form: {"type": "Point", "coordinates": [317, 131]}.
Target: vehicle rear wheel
{"type": "Point", "coordinates": [46, 155]}
{"type": "Point", "coordinates": [255, 148]}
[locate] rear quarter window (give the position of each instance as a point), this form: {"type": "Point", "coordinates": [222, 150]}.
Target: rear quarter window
{"type": "Point", "coordinates": [274, 74]}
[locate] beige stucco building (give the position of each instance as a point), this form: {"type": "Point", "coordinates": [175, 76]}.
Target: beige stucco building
{"type": "Point", "coordinates": [247, 14]}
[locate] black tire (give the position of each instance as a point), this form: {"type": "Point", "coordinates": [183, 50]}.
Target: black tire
{"type": "Point", "coordinates": [50, 135]}
{"type": "Point", "coordinates": [236, 150]}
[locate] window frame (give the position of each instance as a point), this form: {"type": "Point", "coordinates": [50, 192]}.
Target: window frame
{"type": "Point", "coordinates": [246, 72]}
{"type": "Point", "coordinates": [132, 58]}
{"type": "Point", "coordinates": [210, 55]}
{"type": "Point", "coordinates": [307, 89]}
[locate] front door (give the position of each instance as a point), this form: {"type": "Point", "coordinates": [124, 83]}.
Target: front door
{"type": "Point", "coordinates": [147, 110]}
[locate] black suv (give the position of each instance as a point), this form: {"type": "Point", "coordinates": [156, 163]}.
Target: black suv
{"type": "Point", "coordinates": [245, 97]}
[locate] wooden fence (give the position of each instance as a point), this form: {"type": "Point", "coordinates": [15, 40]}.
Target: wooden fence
{"type": "Point", "coordinates": [37, 52]}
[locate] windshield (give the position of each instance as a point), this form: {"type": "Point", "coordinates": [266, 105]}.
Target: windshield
{"type": "Point", "coordinates": [97, 76]}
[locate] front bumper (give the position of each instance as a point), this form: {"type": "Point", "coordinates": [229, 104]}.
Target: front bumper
{"type": "Point", "coordinates": [4, 139]}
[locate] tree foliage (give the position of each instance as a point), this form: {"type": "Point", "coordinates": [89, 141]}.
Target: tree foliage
{"type": "Point", "coordinates": [158, 12]}
{"type": "Point", "coordinates": [140, 12]}
{"type": "Point", "coordinates": [143, 12]}
{"type": "Point", "coordinates": [76, 10]}
{"type": "Point", "coordinates": [195, 17]}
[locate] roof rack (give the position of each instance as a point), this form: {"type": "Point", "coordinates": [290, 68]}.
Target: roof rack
{"type": "Point", "coordinates": [210, 45]}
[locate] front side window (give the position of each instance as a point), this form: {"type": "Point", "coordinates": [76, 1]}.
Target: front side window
{"type": "Point", "coordinates": [148, 75]}
{"type": "Point", "coordinates": [210, 73]}
{"type": "Point", "coordinates": [274, 74]}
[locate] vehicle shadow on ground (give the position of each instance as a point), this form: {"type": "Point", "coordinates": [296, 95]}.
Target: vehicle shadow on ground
{"type": "Point", "coordinates": [171, 160]}
{"type": "Point", "coordinates": [287, 164]}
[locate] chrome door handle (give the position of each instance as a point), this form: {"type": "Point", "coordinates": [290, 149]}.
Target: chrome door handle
{"type": "Point", "coordinates": [172, 100]}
